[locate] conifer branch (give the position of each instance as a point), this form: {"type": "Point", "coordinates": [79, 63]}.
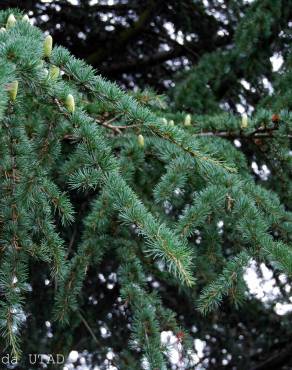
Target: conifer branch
{"type": "Point", "coordinates": [126, 105]}
{"type": "Point", "coordinates": [154, 192]}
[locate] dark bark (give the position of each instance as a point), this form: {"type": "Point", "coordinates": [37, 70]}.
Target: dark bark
{"type": "Point", "coordinates": [277, 360]}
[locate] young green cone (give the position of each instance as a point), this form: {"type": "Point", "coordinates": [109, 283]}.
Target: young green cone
{"type": "Point", "coordinates": [141, 141]}
{"type": "Point", "coordinates": [48, 46]}
{"type": "Point", "coordinates": [188, 120]}
{"type": "Point", "coordinates": [70, 103]}
{"type": "Point", "coordinates": [10, 21]}
{"type": "Point", "coordinates": [244, 120]}
{"type": "Point", "coordinates": [54, 72]}
{"type": "Point", "coordinates": [25, 18]}
{"type": "Point", "coordinates": [13, 88]}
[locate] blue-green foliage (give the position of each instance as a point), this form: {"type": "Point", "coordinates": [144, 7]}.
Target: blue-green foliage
{"type": "Point", "coordinates": [155, 208]}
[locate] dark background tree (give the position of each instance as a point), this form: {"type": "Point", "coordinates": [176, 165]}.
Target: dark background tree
{"type": "Point", "coordinates": [154, 43]}
{"type": "Point", "coordinates": [145, 43]}
{"type": "Point", "coordinates": [137, 42]}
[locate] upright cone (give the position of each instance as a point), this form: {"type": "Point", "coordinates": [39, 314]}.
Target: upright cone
{"type": "Point", "coordinates": [25, 18]}
{"type": "Point", "coordinates": [10, 21]}
{"type": "Point", "coordinates": [70, 103]}
{"type": "Point", "coordinates": [54, 72]}
{"type": "Point", "coordinates": [188, 120]}
{"type": "Point", "coordinates": [13, 89]}
{"type": "Point", "coordinates": [48, 46]}
{"type": "Point", "coordinates": [244, 120]}
{"type": "Point", "coordinates": [141, 141]}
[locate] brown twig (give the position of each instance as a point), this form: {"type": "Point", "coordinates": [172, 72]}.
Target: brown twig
{"type": "Point", "coordinates": [234, 135]}
{"type": "Point", "coordinates": [115, 128]}
{"type": "Point", "coordinates": [88, 328]}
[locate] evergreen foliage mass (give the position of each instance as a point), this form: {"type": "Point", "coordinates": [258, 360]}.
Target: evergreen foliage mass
{"type": "Point", "coordinates": [90, 172]}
